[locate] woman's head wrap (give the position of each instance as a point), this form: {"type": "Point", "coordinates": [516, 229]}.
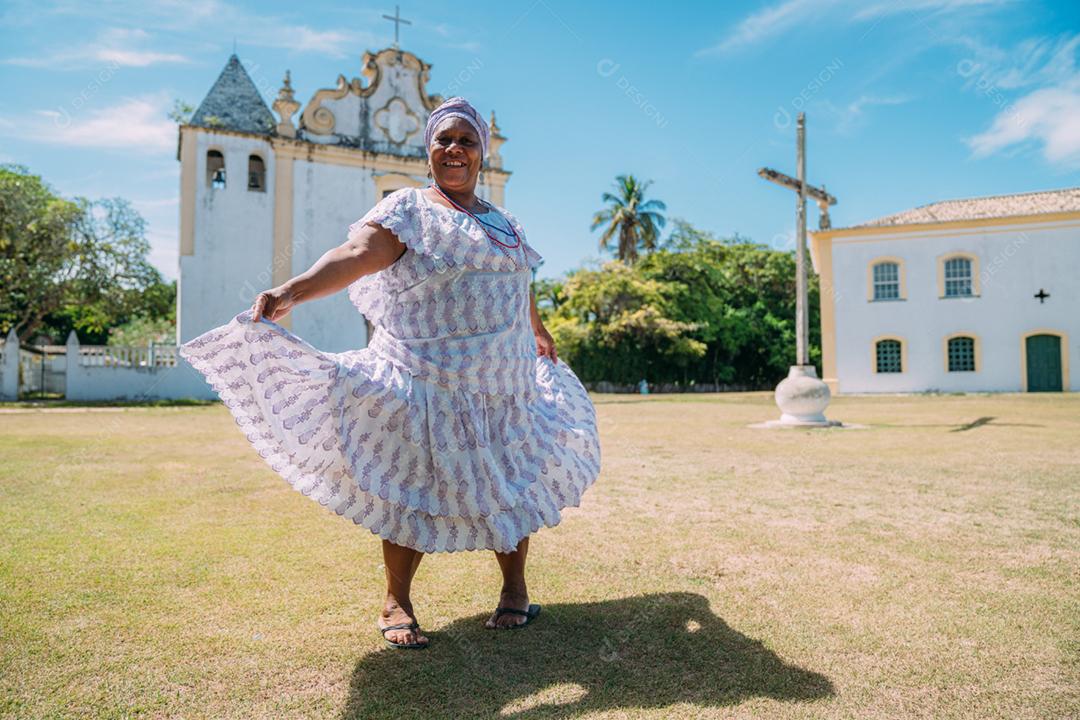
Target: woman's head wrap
{"type": "Point", "coordinates": [457, 107]}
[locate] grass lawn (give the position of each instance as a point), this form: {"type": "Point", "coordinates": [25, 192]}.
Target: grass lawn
{"type": "Point", "coordinates": [928, 566]}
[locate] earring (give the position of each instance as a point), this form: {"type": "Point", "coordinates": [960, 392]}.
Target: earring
{"type": "Point", "coordinates": [480, 177]}
{"type": "Point", "coordinates": [429, 172]}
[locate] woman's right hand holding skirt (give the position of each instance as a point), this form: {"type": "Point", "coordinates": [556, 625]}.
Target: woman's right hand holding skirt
{"type": "Point", "coordinates": [272, 304]}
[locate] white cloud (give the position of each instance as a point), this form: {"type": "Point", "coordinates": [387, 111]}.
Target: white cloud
{"type": "Point", "coordinates": [853, 114]}
{"type": "Point", "coordinates": [775, 20]}
{"type": "Point", "coordinates": [75, 60]}
{"type": "Point", "coordinates": [164, 250]}
{"type": "Point", "coordinates": [768, 22]}
{"type": "Point", "coordinates": [1047, 115]}
{"type": "Point", "coordinates": [161, 215]}
{"type": "Point", "coordinates": [135, 58]}
{"type": "Point", "coordinates": [208, 18]}
{"type": "Point", "coordinates": [153, 205]}
{"type": "Point", "coordinates": [1034, 61]}
{"type": "Point", "coordinates": [262, 29]}
{"type": "Point", "coordinates": [307, 39]}
{"type": "Point", "coordinates": [456, 37]}
{"type": "Point", "coordinates": [891, 8]}
{"type": "Point", "coordinates": [856, 107]}
{"type": "Point", "coordinates": [115, 48]}
{"type": "Point", "coordinates": [139, 125]}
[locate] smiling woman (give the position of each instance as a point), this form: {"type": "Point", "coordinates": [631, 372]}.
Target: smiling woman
{"type": "Point", "coordinates": [456, 428]}
{"type": "Point", "coordinates": [457, 132]}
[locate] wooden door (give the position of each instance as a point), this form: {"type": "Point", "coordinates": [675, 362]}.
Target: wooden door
{"type": "Point", "coordinates": [1043, 363]}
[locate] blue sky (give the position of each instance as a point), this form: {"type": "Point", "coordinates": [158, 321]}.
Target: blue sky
{"type": "Point", "coordinates": [907, 101]}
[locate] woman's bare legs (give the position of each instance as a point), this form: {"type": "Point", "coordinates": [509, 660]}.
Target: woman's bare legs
{"type": "Point", "coordinates": [401, 563]}
{"type": "Point", "coordinates": [514, 593]}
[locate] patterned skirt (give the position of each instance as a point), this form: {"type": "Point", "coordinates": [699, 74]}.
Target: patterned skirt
{"type": "Point", "coordinates": [431, 467]}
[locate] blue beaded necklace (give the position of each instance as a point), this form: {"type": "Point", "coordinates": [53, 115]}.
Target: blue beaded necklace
{"type": "Point", "coordinates": [494, 239]}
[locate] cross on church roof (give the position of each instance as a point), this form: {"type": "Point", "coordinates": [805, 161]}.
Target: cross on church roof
{"type": "Point", "coordinates": [398, 21]}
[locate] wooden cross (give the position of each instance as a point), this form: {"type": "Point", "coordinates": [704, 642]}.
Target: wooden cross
{"type": "Point", "coordinates": [1042, 295]}
{"type": "Point", "coordinates": [824, 200]}
{"type": "Point", "coordinates": [398, 21]}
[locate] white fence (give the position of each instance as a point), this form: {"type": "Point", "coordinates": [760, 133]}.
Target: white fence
{"type": "Point", "coordinates": [9, 367]}
{"type": "Point", "coordinates": [152, 356]}
{"type": "Point", "coordinates": [100, 372]}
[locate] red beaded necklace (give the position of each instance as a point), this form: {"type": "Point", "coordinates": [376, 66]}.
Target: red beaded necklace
{"type": "Point", "coordinates": [481, 223]}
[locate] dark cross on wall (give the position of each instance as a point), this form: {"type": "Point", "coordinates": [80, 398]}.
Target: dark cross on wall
{"type": "Point", "coordinates": [1042, 295]}
{"type": "Point", "coordinates": [398, 22]}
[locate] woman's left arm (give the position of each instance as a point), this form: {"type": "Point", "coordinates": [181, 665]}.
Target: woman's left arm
{"type": "Point", "coordinates": [545, 344]}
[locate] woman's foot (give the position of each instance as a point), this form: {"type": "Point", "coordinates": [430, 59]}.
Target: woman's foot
{"type": "Point", "coordinates": [396, 614]}
{"type": "Point", "coordinates": [509, 598]}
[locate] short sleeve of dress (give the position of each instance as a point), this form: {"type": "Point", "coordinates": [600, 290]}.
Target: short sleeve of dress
{"type": "Point", "coordinates": [371, 294]}
{"type": "Point", "coordinates": [434, 240]}
{"type": "Point", "coordinates": [395, 213]}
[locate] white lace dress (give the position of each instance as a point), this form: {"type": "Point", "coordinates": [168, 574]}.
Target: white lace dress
{"type": "Point", "coordinates": [447, 432]}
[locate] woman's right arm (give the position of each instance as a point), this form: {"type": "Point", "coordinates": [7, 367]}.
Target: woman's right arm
{"type": "Point", "coordinates": [369, 250]}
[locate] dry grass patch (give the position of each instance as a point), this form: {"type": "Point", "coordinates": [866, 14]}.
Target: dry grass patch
{"type": "Point", "coordinates": [151, 565]}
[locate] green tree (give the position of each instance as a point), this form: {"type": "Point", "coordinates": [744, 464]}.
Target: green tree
{"type": "Point", "coordinates": [741, 296]}
{"type": "Point", "coordinates": [550, 294]}
{"type": "Point", "coordinates": [36, 228]}
{"type": "Point", "coordinates": [76, 262]}
{"type": "Point", "coordinates": [142, 330]}
{"type": "Point", "coordinates": [181, 112]}
{"type": "Point", "coordinates": [616, 325]}
{"type": "Point", "coordinates": [629, 215]}
{"type": "Point", "coordinates": [699, 310]}
{"type": "Point", "coordinates": [154, 305]}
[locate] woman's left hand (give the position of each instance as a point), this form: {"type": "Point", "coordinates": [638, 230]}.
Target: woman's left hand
{"type": "Point", "coordinates": [545, 344]}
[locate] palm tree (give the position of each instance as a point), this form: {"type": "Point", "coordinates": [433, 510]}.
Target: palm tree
{"type": "Point", "coordinates": [635, 219]}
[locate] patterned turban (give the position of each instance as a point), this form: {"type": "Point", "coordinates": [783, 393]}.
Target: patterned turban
{"type": "Point", "coordinates": [457, 107]}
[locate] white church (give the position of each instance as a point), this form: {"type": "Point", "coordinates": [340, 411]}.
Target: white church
{"type": "Point", "coordinates": [956, 296]}
{"type": "Point", "coordinates": [263, 197]}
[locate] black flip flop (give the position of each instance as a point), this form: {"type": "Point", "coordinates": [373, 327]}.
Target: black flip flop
{"type": "Point", "coordinates": [529, 614]}
{"type": "Point", "coordinates": [404, 626]}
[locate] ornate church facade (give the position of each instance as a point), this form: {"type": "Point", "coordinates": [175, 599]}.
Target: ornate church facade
{"type": "Point", "coordinates": [263, 197]}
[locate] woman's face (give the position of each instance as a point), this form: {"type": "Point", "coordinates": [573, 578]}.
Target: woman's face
{"type": "Point", "coordinates": [455, 154]}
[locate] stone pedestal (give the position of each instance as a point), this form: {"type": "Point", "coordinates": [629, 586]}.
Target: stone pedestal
{"type": "Point", "coordinates": [802, 398]}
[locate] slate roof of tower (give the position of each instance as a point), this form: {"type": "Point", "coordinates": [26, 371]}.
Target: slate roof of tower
{"type": "Point", "coordinates": [234, 103]}
{"type": "Point", "coordinates": [992, 206]}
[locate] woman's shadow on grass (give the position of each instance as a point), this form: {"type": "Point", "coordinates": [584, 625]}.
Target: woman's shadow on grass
{"type": "Point", "coordinates": [650, 651]}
